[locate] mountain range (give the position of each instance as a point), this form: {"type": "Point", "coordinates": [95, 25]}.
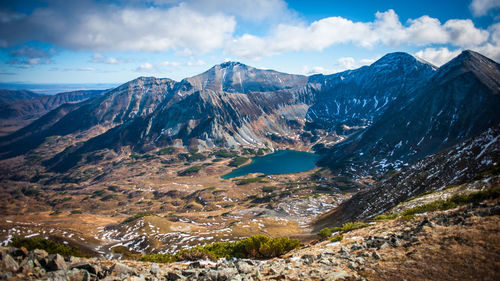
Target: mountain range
{"type": "Point", "coordinates": [391, 113]}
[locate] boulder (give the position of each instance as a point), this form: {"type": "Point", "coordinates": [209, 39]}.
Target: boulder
{"type": "Point", "coordinates": [91, 268]}
{"type": "Point", "coordinates": [9, 263]}
{"type": "Point", "coordinates": [120, 268]}
{"type": "Point", "coordinates": [56, 262]}
{"type": "Point", "coordinates": [171, 276]}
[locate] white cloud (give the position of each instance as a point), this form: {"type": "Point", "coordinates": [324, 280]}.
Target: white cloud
{"type": "Point", "coordinates": [342, 64]}
{"type": "Point", "coordinates": [145, 67]}
{"type": "Point", "coordinates": [439, 56]}
{"type": "Point", "coordinates": [148, 67]}
{"type": "Point", "coordinates": [249, 10]}
{"type": "Point", "coordinates": [482, 7]}
{"type": "Point", "coordinates": [196, 63]}
{"type": "Point", "coordinates": [99, 58]}
{"type": "Point", "coordinates": [168, 63]}
{"type": "Point", "coordinates": [386, 29]}
{"type": "Point", "coordinates": [100, 26]}
{"type": "Point", "coordinates": [346, 63]}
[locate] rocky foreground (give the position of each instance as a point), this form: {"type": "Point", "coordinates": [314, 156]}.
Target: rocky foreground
{"type": "Point", "coordinates": [459, 244]}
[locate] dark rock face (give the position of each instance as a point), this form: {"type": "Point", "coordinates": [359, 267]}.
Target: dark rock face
{"type": "Point", "coordinates": [460, 101]}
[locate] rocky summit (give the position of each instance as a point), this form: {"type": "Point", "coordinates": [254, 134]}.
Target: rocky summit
{"type": "Point", "coordinates": [136, 182]}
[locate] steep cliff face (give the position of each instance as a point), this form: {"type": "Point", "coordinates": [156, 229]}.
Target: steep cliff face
{"type": "Point", "coordinates": [356, 98]}
{"type": "Point", "coordinates": [460, 101]}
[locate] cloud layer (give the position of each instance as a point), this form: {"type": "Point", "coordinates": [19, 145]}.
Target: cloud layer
{"type": "Point", "coordinates": [195, 27]}
{"type": "Point", "coordinates": [386, 29]}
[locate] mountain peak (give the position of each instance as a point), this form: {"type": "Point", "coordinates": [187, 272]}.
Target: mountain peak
{"type": "Point", "coordinates": [484, 68]}
{"type": "Point", "coordinates": [231, 64]}
{"type": "Point", "coordinates": [236, 77]}
{"type": "Point", "coordinates": [397, 58]}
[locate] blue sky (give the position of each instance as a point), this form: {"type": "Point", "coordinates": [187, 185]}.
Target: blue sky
{"type": "Point", "coordinates": [114, 41]}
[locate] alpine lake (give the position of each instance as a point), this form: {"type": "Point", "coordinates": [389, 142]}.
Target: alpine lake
{"type": "Point", "coordinates": [279, 162]}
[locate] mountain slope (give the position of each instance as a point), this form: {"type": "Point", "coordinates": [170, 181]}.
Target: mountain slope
{"type": "Point", "coordinates": [356, 98]}
{"type": "Point", "coordinates": [461, 100]}
{"type": "Point", "coordinates": [457, 165]}
{"type": "Point", "coordinates": [135, 98]}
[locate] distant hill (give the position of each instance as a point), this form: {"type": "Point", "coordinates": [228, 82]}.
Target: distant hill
{"type": "Point", "coordinates": [19, 108]}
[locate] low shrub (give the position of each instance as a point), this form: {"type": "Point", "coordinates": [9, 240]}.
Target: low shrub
{"type": "Point", "coordinates": [126, 252]}
{"type": "Point", "coordinates": [268, 189]}
{"type": "Point", "coordinates": [386, 217]}
{"type": "Point", "coordinates": [346, 227]}
{"type": "Point", "coordinates": [238, 161]}
{"type": "Point", "coordinates": [225, 154]}
{"type": "Point", "coordinates": [190, 171]}
{"type": "Point", "coordinates": [163, 258]}
{"type": "Point", "coordinates": [166, 150]}
{"type": "Point", "coordinates": [455, 201]}
{"type": "Point", "coordinates": [256, 247]}
{"type": "Point", "coordinates": [136, 217]}
{"type": "Point", "coordinates": [325, 233]}
{"type": "Point", "coordinates": [337, 238]}
{"type": "Point", "coordinates": [50, 246]}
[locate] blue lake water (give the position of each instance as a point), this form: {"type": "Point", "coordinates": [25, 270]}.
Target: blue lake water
{"type": "Point", "coordinates": [279, 162]}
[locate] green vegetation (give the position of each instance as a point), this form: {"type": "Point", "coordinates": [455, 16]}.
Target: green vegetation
{"type": "Point", "coordinates": [166, 150]}
{"type": "Point", "coordinates": [454, 201]}
{"type": "Point", "coordinates": [76, 212]}
{"type": "Point", "coordinates": [337, 238]}
{"type": "Point", "coordinates": [50, 246]}
{"type": "Point", "coordinates": [441, 205]}
{"type": "Point", "coordinates": [136, 217]}
{"type": "Point", "coordinates": [126, 253]}
{"type": "Point", "coordinates": [30, 191]}
{"type": "Point", "coordinates": [98, 193]}
{"type": "Point", "coordinates": [190, 171]}
{"type": "Point", "coordinates": [225, 154]}
{"type": "Point", "coordinates": [238, 161]}
{"type": "Point", "coordinates": [268, 189]}
{"type": "Point", "coordinates": [192, 157]}
{"type": "Point", "coordinates": [138, 156]}
{"type": "Point", "coordinates": [325, 233]}
{"type": "Point", "coordinates": [108, 197]}
{"type": "Point", "coordinates": [256, 247]}
{"type": "Point", "coordinates": [386, 217]}
{"type": "Point", "coordinates": [346, 227]}
{"type": "Point", "coordinates": [250, 180]}
{"type": "Point", "coordinates": [113, 188]}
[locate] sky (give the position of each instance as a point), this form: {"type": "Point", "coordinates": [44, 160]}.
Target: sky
{"type": "Point", "coordinates": [115, 41]}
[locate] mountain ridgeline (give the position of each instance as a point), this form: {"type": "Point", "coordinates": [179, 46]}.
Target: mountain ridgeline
{"type": "Point", "coordinates": [392, 113]}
